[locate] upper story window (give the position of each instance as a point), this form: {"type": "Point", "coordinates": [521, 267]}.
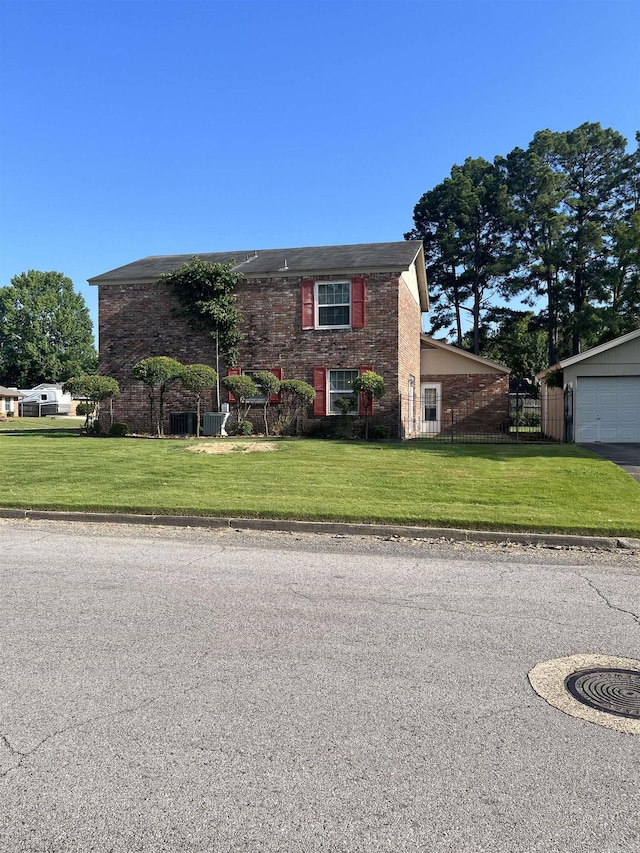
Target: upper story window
{"type": "Point", "coordinates": [333, 300]}
{"type": "Point", "coordinates": [333, 304]}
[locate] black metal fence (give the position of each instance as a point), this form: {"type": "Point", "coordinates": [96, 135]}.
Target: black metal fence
{"type": "Point", "coordinates": [483, 417]}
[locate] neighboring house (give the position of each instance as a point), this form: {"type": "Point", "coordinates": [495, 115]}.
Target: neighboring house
{"type": "Point", "coordinates": [48, 398]}
{"type": "Point", "coordinates": [320, 314]}
{"type": "Point", "coordinates": [9, 398]}
{"type": "Point", "coordinates": [599, 397]}
{"type": "Point", "coordinates": [461, 393]}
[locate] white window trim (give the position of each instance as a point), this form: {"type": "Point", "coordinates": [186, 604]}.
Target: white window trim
{"type": "Point", "coordinates": [342, 393]}
{"type": "Point", "coordinates": [317, 305]}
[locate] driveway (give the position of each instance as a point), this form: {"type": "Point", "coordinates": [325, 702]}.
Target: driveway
{"type": "Point", "coordinates": [627, 456]}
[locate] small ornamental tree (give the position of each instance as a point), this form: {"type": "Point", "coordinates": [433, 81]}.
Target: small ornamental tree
{"type": "Point", "coordinates": [96, 389]}
{"type": "Point", "coordinates": [241, 388]}
{"type": "Point", "coordinates": [371, 386]}
{"type": "Point", "coordinates": [268, 385]}
{"type": "Point", "coordinates": [296, 396]}
{"type": "Point", "coordinates": [198, 378]}
{"type": "Point", "coordinates": [156, 373]}
{"type": "Point", "coordinates": [346, 405]}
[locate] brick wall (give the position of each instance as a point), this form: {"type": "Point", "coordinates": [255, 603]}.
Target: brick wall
{"type": "Point", "coordinates": [139, 321]}
{"type": "Point", "coordinates": [479, 402]}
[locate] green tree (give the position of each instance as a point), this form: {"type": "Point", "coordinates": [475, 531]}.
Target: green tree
{"type": "Point", "coordinates": [157, 373]}
{"type": "Point", "coordinates": [241, 388]}
{"type": "Point", "coordinates": [268, 385]}
{"type": "Point", "coordinates": [198, 378]}
{"type": "Point", "coordinates": [536, 191]}
{"type": "Point", "coordinates": [206, 292]}
{"type": "Point", "coordinates": [95, 388]}
{"type": "Point", "coordinates": [371, 386]}
{"type": "Point", "coordinates": [464, 224]}
{"type": "Point", "coordinates": [518, 340]}
{"type": "Point", "coordinates": [46, 333]}
{"type": "Point", "coordinates": [296, 397]}
{"type": "Point", "coordinates": [595, 169]}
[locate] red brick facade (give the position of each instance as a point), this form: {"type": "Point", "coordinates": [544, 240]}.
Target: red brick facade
{"type": "Point", "coordinates": [142, 320]}
{"type": "Point", "coordinates": [473, 403]}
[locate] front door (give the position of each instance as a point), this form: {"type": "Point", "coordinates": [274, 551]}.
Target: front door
{"type": "Point", "coordinates": [430, 406]}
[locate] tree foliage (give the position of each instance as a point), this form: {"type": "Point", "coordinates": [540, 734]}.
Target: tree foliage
{"type": "Point", "coordinates": [268, 386]}
{"type": "Point", "coordinates": [296, 397]}
{"type": "Point", "coordinates": [556, 223]}
{"type": "Point", "coordinates": [46, 334]}
{"type": "Point", "coordinates": [371, 386]}
{"type": "Point", "coordinates": [157, 373]}
{"type": "Point", "coordinates": [464, 224]}
{"type": "Point", "coordinates": [241, 388]}
{"type": "Point", "coordinates": [198, 378]}
{"type": "Point", "coordinates": [206, 292]}
{"type": "Point", "coordinates": [95, 388]}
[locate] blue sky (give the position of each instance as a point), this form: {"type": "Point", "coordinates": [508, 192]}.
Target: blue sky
{"type": "Point", "coordinates": [141, 128]}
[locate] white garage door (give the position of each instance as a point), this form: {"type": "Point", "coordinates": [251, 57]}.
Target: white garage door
{"type": "Point", "coordinates": [608, 408]}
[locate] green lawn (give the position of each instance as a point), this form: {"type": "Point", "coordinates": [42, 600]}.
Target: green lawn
{"type": "Point", "coordinates": [558, 488]}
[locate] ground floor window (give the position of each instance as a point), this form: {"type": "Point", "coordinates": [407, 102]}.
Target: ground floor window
{"type": "Point", "coordinates": [340, 385]}
{"type": "Point", "coordinates": [260, 398]}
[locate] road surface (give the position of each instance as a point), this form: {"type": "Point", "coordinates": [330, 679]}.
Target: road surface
{"type": "Point", "coordinates": [194, 690]}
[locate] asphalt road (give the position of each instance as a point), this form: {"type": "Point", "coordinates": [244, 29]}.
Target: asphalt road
{"type": "Point", "coordinates": [194, 690]}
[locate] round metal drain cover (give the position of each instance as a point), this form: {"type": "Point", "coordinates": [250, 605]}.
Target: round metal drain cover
{"type": "Point", "coordinates": [614, 691]}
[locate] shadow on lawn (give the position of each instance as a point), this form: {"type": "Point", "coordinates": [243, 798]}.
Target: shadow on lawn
{"type": "Point", "coordinates": [491, 450]}
{"type": "Point", "coordinates": [61, 432]}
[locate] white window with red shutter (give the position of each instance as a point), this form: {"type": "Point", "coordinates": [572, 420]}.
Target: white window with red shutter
{"type": "Point", "coordinates": [331, 384]}
{"type": "Point", "coordinates": [333, 304]}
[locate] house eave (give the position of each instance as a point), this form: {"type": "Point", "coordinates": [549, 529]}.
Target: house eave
{"type": "Point", "coordinates": [477, 359]}
{"type": "Point", "coordinates": [590, 353]}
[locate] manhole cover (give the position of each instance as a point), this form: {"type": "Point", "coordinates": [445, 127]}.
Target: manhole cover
{"type": "Point", "coordinates": [601, 689]}
{"type": "Point", "coordinates": [615, 691]}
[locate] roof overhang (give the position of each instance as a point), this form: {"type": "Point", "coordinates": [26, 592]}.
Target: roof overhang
{"type": "Point", "coordinates": [428, 341]}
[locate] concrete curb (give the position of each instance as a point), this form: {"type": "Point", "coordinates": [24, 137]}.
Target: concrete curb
{"type": "Point", "coordinates": [332, 527]}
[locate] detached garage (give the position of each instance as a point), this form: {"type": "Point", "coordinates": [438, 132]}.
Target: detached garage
{"type": "Point", "coordinates": [601, 389]}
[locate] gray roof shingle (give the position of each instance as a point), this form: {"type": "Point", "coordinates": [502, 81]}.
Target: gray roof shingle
{"type": "Point", "coordinates": [361, 257]}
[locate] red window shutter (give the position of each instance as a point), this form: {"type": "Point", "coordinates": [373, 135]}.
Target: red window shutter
{"type": "Point", "coordinates": [233, 371]}
{"type": "Point", "coordinates": [276, 398]}
{"type": "Point", "coordinates": [308, 304]}
{"type": "Point", "coordinates": [363, 397]}
{"type": "Point", "coordinates": [320, 387]}
{"type": "Point", "coordinates": [358, 302]}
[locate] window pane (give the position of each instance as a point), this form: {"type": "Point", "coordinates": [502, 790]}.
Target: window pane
{"type": "Point", "coordinates": [333, 315]}
{"type": "Point", "coordinates": [430, 404]}
{"type": "Point", "coordinates": [341, 380]}
{"type": "Point", "coordinates": [334, 303]}
{"type": "Point", "coordinates": [334, 293]}
{"type": "Point", "coordinates": [340, 384]}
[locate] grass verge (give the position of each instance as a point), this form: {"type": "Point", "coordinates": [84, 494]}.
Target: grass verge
{"type": "Point", "coordinates": [553, 488]}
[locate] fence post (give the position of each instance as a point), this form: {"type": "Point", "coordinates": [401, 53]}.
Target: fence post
{"type": "Point", "coordinates": [517, 416]}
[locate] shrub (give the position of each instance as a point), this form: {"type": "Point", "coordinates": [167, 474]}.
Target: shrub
{"type": "Point", "coordinates": [95, 428]}
{"type": "Point", "coordinates": [379, 431]}
{"type": "Point", "coordinates": [241, 427]}
{"type": "Point", "coordinates": [117, 430]}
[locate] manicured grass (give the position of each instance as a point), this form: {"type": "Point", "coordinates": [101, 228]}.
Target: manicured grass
{"type": "Point", "coordinates": [558, 488]}
{"type": "Point", "coordinates": [64, 423]}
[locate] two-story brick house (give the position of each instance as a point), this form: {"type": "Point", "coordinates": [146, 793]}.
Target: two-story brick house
{"type": "Point", "coordinates": [321, 314]}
